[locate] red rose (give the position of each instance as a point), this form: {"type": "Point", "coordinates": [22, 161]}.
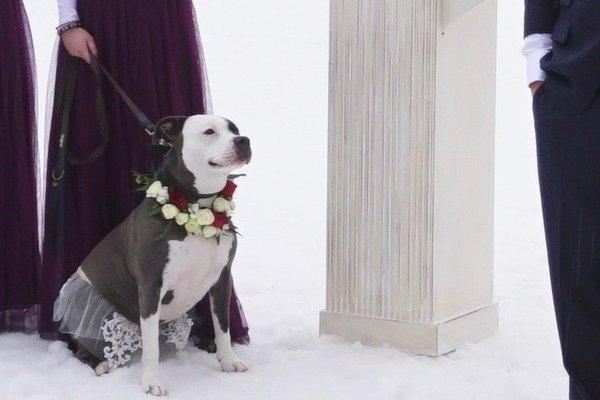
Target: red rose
{"type": "Point", "coordinates": [178, 200]}
{"type": "Point", "coordinates": [220, 220]}
{"type": "Point", "coordinates": [228, 190]}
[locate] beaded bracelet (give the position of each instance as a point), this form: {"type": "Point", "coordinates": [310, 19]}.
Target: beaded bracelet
{"type": "Point", "coordinates": [67, 26]}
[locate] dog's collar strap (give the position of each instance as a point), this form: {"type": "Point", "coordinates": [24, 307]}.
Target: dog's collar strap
{"type": "Point", "coordinates": [193, 197]}
{"type": "Point", "coordinates": [190, 193]}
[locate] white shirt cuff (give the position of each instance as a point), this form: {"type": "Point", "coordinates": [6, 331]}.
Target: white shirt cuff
{"type": "Point", "coordinates": [67, 11]}
{"type": "Point", "coordinates": [536, 46]}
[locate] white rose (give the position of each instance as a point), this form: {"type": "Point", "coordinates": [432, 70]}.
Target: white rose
{"type": "Point", "coordinates": [153, 189]}
{"type": "Point", "coordinates": [221, 205]}
{"type": "Point", "coordinates": [205, 217]}
{"type": "Point", "coordinates": [163, 196]}
{"type": "Point", "coordinates": [193, 227]}
{"type": "Point", "coordinates": [209, 231]}
{"type": "Point", "coordinates": [182, 218]}
{"type": "Point", "coordinates": [159, 192]}
{"type": "Point", "coordinates": [169, 211]}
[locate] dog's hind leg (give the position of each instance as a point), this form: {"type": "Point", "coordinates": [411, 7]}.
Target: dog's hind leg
{"type": "Point", "coordinates": [80, 352]}
{"type": "Point", "coordinates": [220, 295]}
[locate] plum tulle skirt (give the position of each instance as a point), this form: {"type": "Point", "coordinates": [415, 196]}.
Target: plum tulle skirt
{"type": "Point", "coordinates": [19, 248]}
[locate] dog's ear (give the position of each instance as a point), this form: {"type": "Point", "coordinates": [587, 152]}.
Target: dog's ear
{"type": "Point", "coordinates": [170, 126]}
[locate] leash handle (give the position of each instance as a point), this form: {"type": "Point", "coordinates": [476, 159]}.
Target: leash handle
{"type": "Point", "coordinates": [141, 117]}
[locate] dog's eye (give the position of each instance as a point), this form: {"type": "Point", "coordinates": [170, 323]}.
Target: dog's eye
{"type": "Point", "coordinates": [209, 132]}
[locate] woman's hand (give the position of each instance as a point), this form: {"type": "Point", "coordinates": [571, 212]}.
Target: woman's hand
{"type": "Point", "coordinates": [535, 86]}
{"type": "Point", "coordinates": [79, 43]}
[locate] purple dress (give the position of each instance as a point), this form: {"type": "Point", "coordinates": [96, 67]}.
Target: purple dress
{"type": "Point", "coordinates": [19, 250]}
{"type": "Point", "coordinates": [152, 49]}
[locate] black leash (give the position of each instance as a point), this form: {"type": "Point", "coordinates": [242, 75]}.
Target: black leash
{"type": "Point", "coordinates": [65, 97]}
{"type": "Point", "coordinates": [55, 219]}
{"type": "Point", "coordinates": [140, 116]}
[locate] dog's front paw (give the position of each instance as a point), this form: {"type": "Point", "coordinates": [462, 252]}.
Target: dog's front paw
{"type": "Point", "coordinates": [233, 365]}
{"type": "Point", "coordinates": [154, 389]}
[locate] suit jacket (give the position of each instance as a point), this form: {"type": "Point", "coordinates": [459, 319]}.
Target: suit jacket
{"type": "Point", "coordinates": [540, 16]}
{"type": "Point", "coordinates": [573, 66]}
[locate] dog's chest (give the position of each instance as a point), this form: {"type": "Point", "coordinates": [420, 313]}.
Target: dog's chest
{"type": "Point", "coordinates": [194, 266]}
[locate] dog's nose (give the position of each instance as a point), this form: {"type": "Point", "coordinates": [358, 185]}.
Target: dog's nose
{"type": "Point", "coordinates": [242, 148]}
{"type": "Point", "coordinates": [241, 141]}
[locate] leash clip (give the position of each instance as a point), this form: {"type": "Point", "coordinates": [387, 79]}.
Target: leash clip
{"type": "Point", "coordinates": [57, 179]}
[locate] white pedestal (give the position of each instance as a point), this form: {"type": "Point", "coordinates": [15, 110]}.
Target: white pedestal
{"type": "Point", "coordinates": [411, 173]}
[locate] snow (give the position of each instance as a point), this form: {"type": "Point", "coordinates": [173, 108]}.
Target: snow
{"type": "Point", "coordinates": [268, 67]}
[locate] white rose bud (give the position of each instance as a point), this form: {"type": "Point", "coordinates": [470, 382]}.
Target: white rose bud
{"type": "Point", "coordinates": [233, 205]}
{"type": "Point", "coordinates": [182, 218]}
{"type": "Point", "coordinates": [193, 227]}
{"type": "Point", "coordinates": [221, 205]}
{"type": "Point", "coordinates": [193, 210]}
{"type": "Point", "coordinates": [205, 217]}
{"type": "Point", "coordinates": [209, 231]}
{"type": "Point", "coordinates": [169, 211]}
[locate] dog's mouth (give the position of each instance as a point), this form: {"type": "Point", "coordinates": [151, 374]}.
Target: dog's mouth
{"type": "Point", "coordinates": [237, 161]}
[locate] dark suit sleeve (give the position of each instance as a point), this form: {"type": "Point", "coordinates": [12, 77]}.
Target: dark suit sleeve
{"type": "Point", "coordinates": [540, 16]}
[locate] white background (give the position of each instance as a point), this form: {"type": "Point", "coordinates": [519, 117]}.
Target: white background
{"type": "Point", "coordinates": [267, 61]}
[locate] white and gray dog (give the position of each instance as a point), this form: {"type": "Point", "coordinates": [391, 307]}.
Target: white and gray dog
{"type": "Point", "coordinates": [151, 277]}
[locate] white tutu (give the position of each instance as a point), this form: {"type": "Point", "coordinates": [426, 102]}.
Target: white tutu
{"type": "Point", "coordinates": [81, 310]}
{"type": "Point", "coordinates": [98, 327]}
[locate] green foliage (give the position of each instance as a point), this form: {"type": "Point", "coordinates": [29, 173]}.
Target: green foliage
{"type": "Point", "coordinates": [142, 180]}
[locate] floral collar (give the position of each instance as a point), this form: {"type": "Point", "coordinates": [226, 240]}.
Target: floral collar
{"type": "Point", "coordinates": [185, 214]}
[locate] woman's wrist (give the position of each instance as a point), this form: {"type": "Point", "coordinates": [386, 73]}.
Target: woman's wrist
{"type": "Point", "coordinates": [67, 26]}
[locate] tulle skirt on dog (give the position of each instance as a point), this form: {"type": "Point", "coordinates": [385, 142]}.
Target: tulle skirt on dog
{"type": "Point", "coordinates": [97, 325]}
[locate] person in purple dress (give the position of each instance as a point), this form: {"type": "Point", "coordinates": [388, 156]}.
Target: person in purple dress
{"type": "Point", "coordinates": [19, 249]}
{"type": "Point", "coordinates": [152, 48]}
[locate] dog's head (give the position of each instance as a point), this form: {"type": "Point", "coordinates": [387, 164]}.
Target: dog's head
{"type": "Point", "coordinates": [207, 147]}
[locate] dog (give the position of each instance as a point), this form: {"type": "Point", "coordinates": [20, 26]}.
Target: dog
{"type": "Point", "coordinates": [151, 277]}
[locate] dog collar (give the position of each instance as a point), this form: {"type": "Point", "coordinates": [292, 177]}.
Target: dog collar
{"type": "Point", "coordinates": [189, 192]}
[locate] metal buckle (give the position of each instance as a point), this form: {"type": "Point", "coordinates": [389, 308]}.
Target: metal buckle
{"type": "Point", "coordinates": [56, 179]}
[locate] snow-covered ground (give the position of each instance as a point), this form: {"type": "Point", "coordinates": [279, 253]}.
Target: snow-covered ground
{"type": "Point", "coordinates": [268, 69]}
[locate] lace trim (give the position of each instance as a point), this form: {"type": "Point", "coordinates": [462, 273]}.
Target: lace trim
{"type": "Point", "coordinates": [124, 337]}
{"type": "Point", "coordinates": [177, 332]}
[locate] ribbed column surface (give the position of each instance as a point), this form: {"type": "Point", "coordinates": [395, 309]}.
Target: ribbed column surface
{"type": "Point", "coordinates": [382, 85]}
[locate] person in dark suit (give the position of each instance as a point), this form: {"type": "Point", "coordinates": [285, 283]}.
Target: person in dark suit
{"type": "Point", "coordinates": [562, 46]}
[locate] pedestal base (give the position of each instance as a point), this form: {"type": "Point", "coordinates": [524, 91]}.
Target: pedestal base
{"type": "Point", "coordinates": [431, 340]}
